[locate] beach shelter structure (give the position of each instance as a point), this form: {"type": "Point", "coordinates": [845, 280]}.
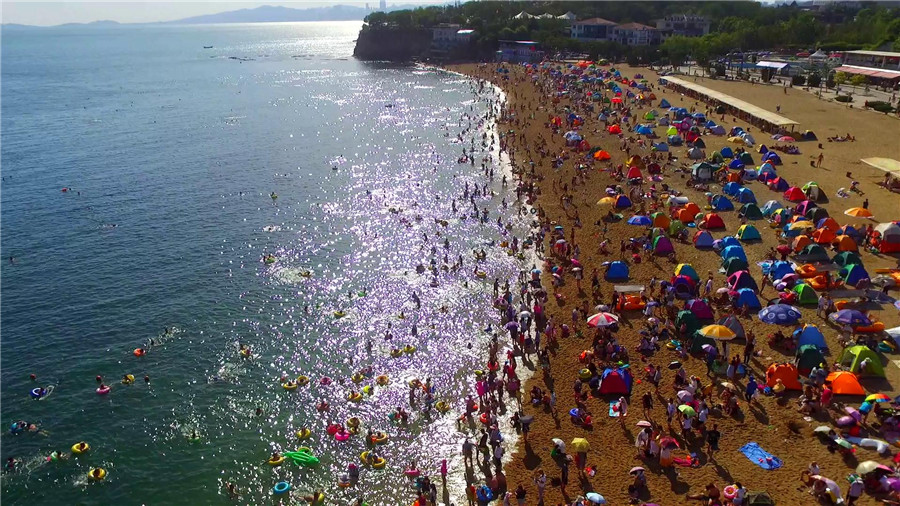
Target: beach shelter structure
{"type": "Point", "coordinates": [685, 215]}
{"type": "Point", "coordinates": [846, 258]}
{"type": "Point", "coordinates": [703, 239]}
{"type": "Point", "coordinates": [634, 173]}
{"type": "Point", "coordinates": [700, 309]}
{"type": "Point", "coordinates": [689, 320]}
{"type": "Point", "coordinates": [684, 287]}
{"type": "Point", "coordinates": [779, 184]}
{"type": "Point", "coordinates": [845, 243]}
{"type": "Point", "coordinates": [805, 294]}
{"type": "Point", "coordinates": [675, 140]}
{"type": "Point", "coordinates": [742, 279]}
{"type": "Point", "coordinates": [747, 297]}
{"type": "Point", "coordinates": [804, 207]}
{"type": "Point", "coordinates": [622, 202]}
{"type": "Point", "coordinates": [616, 381]}
{"type": "Point", "coordinates": [823, 236]}
{"type": "Point", "coordinates": [800, 242]}
{"type": "Point", "coordinates": [734, 264]}
{"type": "Point", "coordinates": [751, 211]}
{"type": "Point", "coordinates": [781, 269]}
{"type": "Point", "coordinates": [695, 153]}
{"type": "Point", "coordinates": [731, 188]}
{"type": "Point", "coordinates": [794, 194]}
{"type": "Point", "coordinates": [736, 164]}
{"type": "Point", "coordinates": [703, 171]}
{"type": "Point", "coordinates": [828, 223]}
{"type": "Point", "coordinates": [810, 334]}
{"type": "Point", "coordinates": [772, 157]}
{"type": "Point", "coordinates": [721, 203]}
{"type": "Point", "coordinates": [712, 221]}
{"type": "Point", "coordinates": [675, 227]}
{"type": "Point", "coordinates": [816, 214]}
{"type": "Point", "coordinates": [853, 274]}
{"type": "Point", "coordinates": [814, 253]}
{"type": "Point", "coordinates": [890, 237]}
{"type": "Point", "coordinates": [661, 146]}
{"type": "Point", "coordinates": [698, 342]}
{"type": "Point", "coordinates": [602, 155]}
{"type": "Point", "coordinates": [717, 130]}
{"type": "Point", "coordinates": [745, 195]}
{"type": "Point", "coordinates": [727, 152]}
{"type": "Point", "coordinates": [664, 104]}
{"type": "Point", "coordinates": [813, 191]}
{"type": "Point", "coordinates": [747, 158]}
{"type": "Point", "coordinates": [845, 383]}
{"type": "Point", "coordinates": [853, 357]}
{"type": "Point", "coordinates": [770, 207]}
{"type": "Point", "coordinates": [635, 161]}
{"type": "Point", "coordinates": [617, 270]}
{"type": "Point", "coordinates": [734, 252]}
{"type": "Point", "coordinates": [807, 358]}
{"type": "Point", "coordinates": [748, 233]}
{"type": "Point", "coordinates": [687, 270]}
{"type": "Point", "coordinates": [787, 373]}
{"type": "Point", "coordinates": [732, 322]}
{"type": "Point", "coordinates": [660, 220]}
{"type": "Point", "coordinates": [662, 245]}
{"type": "Point", "coordinates": [614, 129]}
{"type": "Point", "coordinates": [640, 220]}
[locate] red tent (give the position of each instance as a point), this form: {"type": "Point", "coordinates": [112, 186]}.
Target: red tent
{"type": "Point", "coordinates": [614, 129]}
{"type": "Point", "coordinates": [634, 172]}
{"type": "Point", "coordinates": [794, 194]}
{"type": "Point", "coordinates": [712, 220]}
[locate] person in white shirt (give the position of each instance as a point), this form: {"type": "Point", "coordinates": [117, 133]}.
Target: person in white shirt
{"type": "Point", "coordinates": [740, 494]}
{"type": "Point", "coordinates": [855, 491]}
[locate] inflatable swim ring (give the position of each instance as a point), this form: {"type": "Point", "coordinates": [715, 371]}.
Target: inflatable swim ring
{"type": "Point", "coordinates": [874, 327]}
{"type": "Point", "coordinates": [289, 386]}
{"type": "Point", "coordinates": [281, 487]}
{"type": "Point", "coordinates": [139, 352]}
{"type": "Point", "coordinates": [36, 393]}
{"type": "Point", "coordinates": [584, 374]}
{"type": "Point", "coordinates": [481, 274]}
{"type": "Point", "coordinates": [354, 397]}
{"type": "Point", "coordinates": [97, 474]}
{"type": "Point", "coordinates": [342, 435]}
{"type": "Point", "coordinates": [729, 492]}
{"type": "Point", "coordinates": [357, 378]}
{"type": "Point", "coordinates": [302, 381]}
{"type": "Point", "coordinates": [412, 473]}
{"type": "Point", "coordinates": [245, 352]}
{"type": "Point", "coordinates": [396, 353]}
{"type": "Point", "coordinates": [382, 380]}
{"type": "Point", "coordinates": [79, 450]}
{"type": "Point", "coordinates": [325, 381]}
{"type": "Point", "coordinates": [275, 462]}
{"type": "Point", "coordinates": [409, 349]}
{"type": "Point", "coordinates": [442, 407]}
{"type": "Point", "coordinates": [14, 428]}
{"type": "Point", "coordinates": [353, 423]}
{"type": "Point", "coordinates": [303, 433]}
{"type": "Point", "coordinates": [339, 314]}
{"type": "Point", "coordinates": [344, 481]}
{"type": "Point", "coordinates": [367, 389]}
{"type": "Point", "coordinates": [128, 379]}
{"type": "Point", "coordinates": [379, 438]}
{"type": "Point", "coordinates": [103, 390]}
{"type": "Point", "coordinates": [484, 418]}
{"type": "Point", "coordinates": [379, 463]}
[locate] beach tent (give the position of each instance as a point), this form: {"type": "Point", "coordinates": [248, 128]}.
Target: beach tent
{"type": "Point", "coordinates": [602, 155]}
{"type": "Point", "coordinates": [721, 203]}
{"type": "Point", "coordinates": [781, 269]}
{"type": "Point", "coordinates": [732, 188]}
{"type": "Point", "coordinates": [725, 242]}
{"type": "Point", "coordinates": [634, 173]}
{"type": "Point", "coordinates": [644, 129]}
{"type": "Point", "coordinates": [814, 253]}
{"type": "Point", "coordinates": [717, 130]}
{"type": "Point", "coordinates": [770, 207]}
{"type": "Point", "coordinates": [675, 140]}
{"type": "Point", "coordinates": [751, 211]}
{"type": "Point", "coordinates": [809, 135]}
{"type": "Point", "coordinates": [684, 287]}
{"type": "Point", "coordinates": [734, 324]}
{"type": "Point", "coordinates": [703, 239]}
{"type": "Point", "coordinates": [687, 270]}
{"type": "Point", "coordinates": [675, 227]}
{"type": "Point", "coordinates": [700, 309]}
{"type": "Point", "coordinates": [804, 207]}
{"type": "Point", "coordinates": [672, 130]}
{"type": "Point", "coordinates": [635, 161]}
{"type": "Point", "coordinates": [664, 104]}
{"type": "Point", "coordinates": [660, 219]}
{"type": "Point", "coordinates": [662, 246]}
{"type": "Point", "coordinates": [614, 129]}
{"type": "Point", "coordinates": [717, 158]}
{"type": "Point", "coordinates": [845, 243]}
{"type": "Point", "coordinates": [661, 146]}
{"type": "Point", "coordinates": [689, 320]}
{"type": "Point", "coordinates": [747, 297]}
{"type": "Point", "coordinates": [810, 334]}
{"type": "Point", "coordinates": [622, 202]}
{"type": "Point", "coordinates": [812, 191]}
{"type": "Point", "coordinates": [806, 295]}
{"type": "Point", "coordinates": [772, 157]}
{"type": "Point", "coordinates": [742, 279]}
{"type": "Point", "coordinates": [800, 242]}
{"type": "Point", "coordinates": [745, 195]}
{"type": "Point", "coordinates": [807, 358]}
{"type": "Point", "coordinates": [747, 158]}
{"type": "Point", "coordinates": [855, 354]}
{"type": "Point", "coordinates": [712, 221]}
{"type": "Point", "coordinates": [787, 373]}
{"type": "Point", "coordinates": [823, 236]}
{"type": "Point", "coordinates": [847, 230]}
{"type": "Point", "coordinates": [664, 121]}
{"type": "Point", "coordinates": [698, 342]}
{"type": "Point", "coordinates": [727, 152]}
{"type": "Point", "coordinates": [616, 381]}
{"type": "Point", "coordinates": [734, 252]}
{"type": "Point", "coordinates": [828, 223]}
{"type": "Point", "coordinates": [845, 383]}
{"type": "Point", "coordinates": [734, 264]}
{"type": "Point", "coordinates": [656, 232]}
{"type": "Point", "coordinates": [698, 143]}
{"type": "Point", "coordinates": [695, 153]}
{"type": "Point", "coordinates": [853, 273]}
{"type": "Point", "coordinates": [846, 258]}
{"type": "Point", "coordinates": [617, 270]}
{"type": "Point", "coordinates": [794, 194]}
{"type": "Point", "coordinates": [766, 173]}
{"type": "Point", "coordinates": [702, 171]}
{"type": "Point", "coordinates": [779, 184]}
{"type": "Point", "coordinates": [890, 237]}
{"type": "Point", "coordinates": [816, 213]}
{"type": "Point", "coordinates": [736, 164]}
{"type": "Point", "coordinates": [748, 233]}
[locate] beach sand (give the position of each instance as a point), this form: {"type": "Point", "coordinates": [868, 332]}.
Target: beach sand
{"type": "Point", "coordinates": [781, 430]}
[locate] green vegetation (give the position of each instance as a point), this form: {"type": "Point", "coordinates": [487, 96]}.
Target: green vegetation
{"type": "Point", "coordinates": [879, 106]}
{"type": "Point", "coordinates": [736, 25]}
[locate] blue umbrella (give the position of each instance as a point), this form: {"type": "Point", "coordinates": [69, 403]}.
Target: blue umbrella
{"type": "Point", "coordinates": [595, 498]}
{"type": "Point", "coordinates": [781, 314]}
{"type": "Point", "coordinates": [640, 220]}
{"type": "Point", "coordinates": [850, 317]}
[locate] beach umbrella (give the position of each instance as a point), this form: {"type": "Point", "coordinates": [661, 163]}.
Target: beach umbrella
{"type": "Point", "coordinates": [685, 396]}
{"type": "Point", "coordinates": [668, 442]}
{"type": "Point", "coordinates": [869, 466]}
{"type": "Point", "coordinates": [878, 398]}
{"type": "Point", "coordinates": [606, 201]}
{"type": "Point", "coordinates": [559, 443]}
{"type": "Point", "coordinates": [636, 469]}
{"type": "Point", "coordinates": [781, 314]}
{"type": "Point", "coordinates": [787, 138]}
{"type": "Point", "coordinates": [802, 224]}
{"type": "Point", "coordinates": [718, 332]}
{"type": "Point", "coordinates": [640, 220]}
{"type": "Point", "coordinates": [687, 410]}
{"type": "Point", "coordinates": [850, 317]}
{"type": "Point", "coordinates": [822, 429]}
{"type": "Point", "coordinates": [829, 484]}
{"type": "Point", "coordinates": [858, 212]}
{"type": "Point", "coordinates": [707, 348]}
{"type": "Point", "coordinates": [602, 319]}
{"type": "Point", "coordinates": [580, 444]}
{"type": "Point", "coordinates": [728, 386]}
{"type": "Point", "coordinates": [595, 498]}
{"type": "Point", "coordinates": [512, 325]}
{"type": "Point", "coordinates": [674, 365]}
{"type": "Point", "coordinates": [644, 423]}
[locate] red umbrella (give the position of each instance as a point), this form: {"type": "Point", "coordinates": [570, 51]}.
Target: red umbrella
{"type": "Point", "coordinates": [668, 442]}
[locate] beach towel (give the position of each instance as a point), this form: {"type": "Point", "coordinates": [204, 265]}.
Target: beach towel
{"type": "Point", "coordinates": [614, 409]}
{"type": "Point", "coordinates": [761, 457]}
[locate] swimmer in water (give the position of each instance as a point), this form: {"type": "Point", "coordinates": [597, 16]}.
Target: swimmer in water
{"type": "Point", "coordinates": [259, 411]}
{"type": "Point", "coordinates": [232, 490]}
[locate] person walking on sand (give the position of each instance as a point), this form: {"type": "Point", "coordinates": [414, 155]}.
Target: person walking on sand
{"type": "Point", "coordinates": [623, 410]}
{"type": "Point", "coordinates": [541, 482]}
{"type": "Point", "coordinates": [819, 160]}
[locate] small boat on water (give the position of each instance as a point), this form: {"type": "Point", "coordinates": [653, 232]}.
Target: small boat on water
{"type": "Point", "coordinates": [207, 47]}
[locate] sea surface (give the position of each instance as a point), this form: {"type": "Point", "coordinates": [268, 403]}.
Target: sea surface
{"type": "Point", "coordinates": [169, 153]}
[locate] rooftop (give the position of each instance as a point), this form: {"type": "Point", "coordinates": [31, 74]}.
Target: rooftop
{"type": "Point", "coordinates": [635, 26]}
{"type": "Point", "coordinates": [595, 21]}
{"type": "Point", "coordinates": [887, 54]}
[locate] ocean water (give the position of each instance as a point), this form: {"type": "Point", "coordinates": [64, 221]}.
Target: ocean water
{"type": "Point", "coordinates": [170, 153]}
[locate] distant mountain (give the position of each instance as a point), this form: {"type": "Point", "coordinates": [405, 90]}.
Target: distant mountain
{"type": "Point", "coordinates": [277, 14]}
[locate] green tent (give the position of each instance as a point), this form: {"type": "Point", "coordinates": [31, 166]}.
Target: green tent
{"type": "Point", "coordinates": [675, 227]}
{"type": "Point", "coordinates": [751, 211]}
{"type": "Point", "coordinates": [854, 355]}
{"type": "Point", "coordinates": [690, 320]}
{"type": "Point", "coordinates": [847, 258]}
{"type": "Point", "coordinates": [809, 356]}
{"type": "Point", "coordinates": [656, 232]}
{"type": "Point", "coordinates": [698, 341]}
{"type": "Point", "coordinates": [747, 159]}
{"type": "Point", "coordinates": [805, 294]}
{"type": "Point", "coordinates": [717, 157]}
{"type": "Point", "coordinates": [734, 264]}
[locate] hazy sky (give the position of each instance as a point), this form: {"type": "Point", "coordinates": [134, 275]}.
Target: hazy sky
{"type": "Point", "coordinates": [30, 12]}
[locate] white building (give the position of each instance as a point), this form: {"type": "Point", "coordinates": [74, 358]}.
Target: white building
{"type": "Point", "coordinates": [635, 34]}
{"type": "Point", "coordinates": [593, 29]}
{"type": "Point", "coordinates": [687, 25]}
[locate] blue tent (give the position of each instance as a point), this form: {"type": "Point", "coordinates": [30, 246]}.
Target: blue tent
{"type": "Point", "coordinates": [703, 239]}
{"type": "Point", "coordinates": [853, 273]}
{"type": "Point", "coordinates": [772, 157]}
{"type": "Point", "coordinates": [728, 241]}
{"type": "Point", "coordinates": [780, 185]}
{"type": "Point", "coordinates": [710, 123]}
{"type": "Point", "coordinates": [727, 152]}
{"type": "Point", "coordinates": [731, 188]}
{"type": "Point", "coordinates": [675, 140]}
{"type": "Point", "coordinates": [664, 103]}
{"type": "Point", "coordinates": [781, 269]}
{"type": "Point", "coordinates": [622, 202]}
{"type": "Point", "coordinates": [699, 116]}
{"type": "Point", "coordinates": [769, 207]}
{"type": "Point", "coordinates": [810, 334]}
{"type": "Point", "coordinates": [617, 270]}
{"type": "Point", "coordinates": [747, 297]}
{"type": "Point", "coordinates": [745, 195]}
{"type": "Point", "coordinates": [662, 146]}
{"type": "Point", "coordinates": [721, 203]}
{"type": "Point", "coordinates": [734, 252]}
{"type": "Point", "coordinates": [736, 164]}
{"type": "Point", "coordinates": [640, 220]}
{"type": "Point", "coordinates": [736, 131]}
{"type": "Point", "coordinates": [717, 130]}
{"type": "Point", "coordinates": [644, 130]}
{"type": "Point", "coordinates": [748, 233]}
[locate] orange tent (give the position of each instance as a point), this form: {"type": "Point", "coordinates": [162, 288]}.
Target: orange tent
{"type": "Point", "coordinates": [614, 129]}
{"type": "Point", "coordinates": [800, 242]}
{"type": "Point", "coordinates": [661, 220]}
{"type": "Point", "coordinates": [823, 236]}
{"type": "Point", "coordinates": [685, 216]}
{"type": "Point", "coordinates": [845, 383]}
{"type": "Point", "coordinates": [635, 161]}
{"type": "Point", "coordinates": [712, 221]}
{"type": "Point", "coordinates": [830, 224]}
{"type": "Point", "coordinates": [845, 243]}
{"type": "Point", "coordinates": [692, 208]}
{"type": "Point", "coordinates": [787, 373]}
{"type": "Point", "coordinates": [602, 155]}
{"type": "Point", "coordinates": [733, 177]}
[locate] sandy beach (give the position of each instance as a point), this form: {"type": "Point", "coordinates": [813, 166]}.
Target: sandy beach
{"type": "Point", "coordinates": [776, 425]}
